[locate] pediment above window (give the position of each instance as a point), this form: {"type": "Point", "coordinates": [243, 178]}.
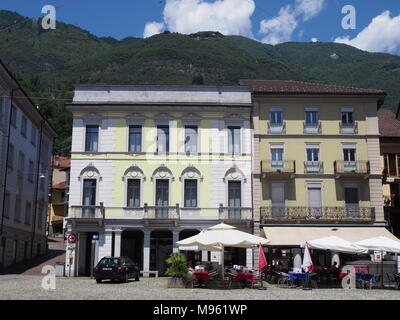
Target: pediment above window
{"type": "Point", "coordinates": [234, 174]}
{"type": "Point", "coordinates": [133, 172]}
{"type": "Point", "coordinates": [234, 119]}
{"type": "Point", "coordinates": [135, 118]}
{"type": "Point", "coordinates": [191, 173]}
{"type": "Point", "coordinates": [162, 172]}
{"type": "Point", "coordinates": [90, 172]}
{"type": "Point", "coordinates": [92, 118]}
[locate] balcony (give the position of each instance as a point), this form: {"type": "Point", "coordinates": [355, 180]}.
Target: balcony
{"type": "Point", "coordinates": [87, 214]}
{"type": "Point", "coordinates": [276, 128]}
{"type": "Point", "coordinates": [313, 167]}
{"type": "Point", "coordinates": [351, 169]}
{"type": "Point", "coordinates": [163, 213]}
{"type": "Point", "coordinates": [312, 128]}
{"type": "Point", "coordinates": [348, 128]}
{"type": "Point", "coordinates": [279, 169]}
{"type": "Point", "coordinates": [232, 214]}
{"type": "Point", "coordinates": [348, 214]}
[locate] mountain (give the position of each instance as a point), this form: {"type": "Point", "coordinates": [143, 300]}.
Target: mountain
{"type": "Point", "coordinates": [49, 62]}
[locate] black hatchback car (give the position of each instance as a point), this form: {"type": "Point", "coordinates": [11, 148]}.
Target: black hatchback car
{"type": "Point", "coordinates": [122, 269]}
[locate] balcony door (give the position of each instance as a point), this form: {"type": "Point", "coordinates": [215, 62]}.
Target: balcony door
{"type": "Point", "coordinates": [278, 200]}
{"type": "Point", "coordinates": [351, 197]}
{"type": "Point", "coordinates": [314, 200]}
{"type": "Point", "coordinates": [349, 157]}
{"type": "Point", "coordinates": [162, 198]}
{"type": "Point", "coordinates": [89, 197]}
{"type": "Point", "coordinates": [234, 199]}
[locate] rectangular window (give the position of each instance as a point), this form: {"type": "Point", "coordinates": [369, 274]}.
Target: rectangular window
{"type": "Point", "coordinates": [349, 154]}
{"type": "Point", "coordinates": [14, 116]}
{"type": "Point", "coordinates": [135, 138]}
{"type": "Point", "coordinates": [33, 135]}
{"type": "Point", "coordinates": [7, 205]}
{"type": "Point", "coordinates": [24, 124]}
{"type": "Point", "coordinates": [21, 163]}
{"type": "Point", "coordinates": [275, 117]}
{"type": "Point", "coordinates": [28, 212]}
{"type": "Point", "coordinates": [190, 193]}
{"type": "Point", "coordinates": [312, 118]}
{"type": "Point", "coordinates": [191, 138]}
{"type": "Point", "coordinates": [10, 162]}
{"type": "Point", "coordinates": [133, 193]}
{"type": "Point", "coordinates": [92, 138]}
{"type": "Point", "coordinates": [234, 199]}
{"type": "Point", "coordinates": [347, 117]}
{"type": "Point", "coordinates": [312, 154]}
{"type": "Point", "coordinates": [17, 214]}
{"type": "Point", "coordinates": [234, 139]}
{"type": "Point", "coordinates": [31, 171]}
{"type": "Point", "coordinates": [392, 162]}
{"type": "Point", "coordinates": [162, 139]}
{"type": "Point", "coordinates": [89, 192]}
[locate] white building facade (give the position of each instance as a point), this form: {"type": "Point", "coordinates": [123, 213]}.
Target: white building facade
{"type": "Point", "coordinates": [26, 141]}
{"type": "Point", "coordinates": [151, 165]}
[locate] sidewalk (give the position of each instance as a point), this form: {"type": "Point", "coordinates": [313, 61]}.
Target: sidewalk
{"type": "Point", "coordinates": [55, 253]}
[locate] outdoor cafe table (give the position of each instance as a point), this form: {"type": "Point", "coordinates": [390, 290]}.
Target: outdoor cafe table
{"type": "Point", "coordinates": [245, 276]}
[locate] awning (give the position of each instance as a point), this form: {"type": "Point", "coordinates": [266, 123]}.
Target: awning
{"type": "Point", "coordinates": [296, 236]}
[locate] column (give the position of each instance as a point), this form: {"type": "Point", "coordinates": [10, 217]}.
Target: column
{"type": "Point", "coordinates": [335, 258]}
{"type": "Point", "coordinates": [146, 252]}
{"type": "Point", "coordinates": [249, 258]}
{"type": "Point", "coordinates": [80, 255]}
{"type": "Point", "coordinates": [297, 261]}
{"type": "Point", "coordinates": [117, 243]}
{"type": "Point", "coordinates": [204, 256]}
{"type": "Point", "coordinates": [175, 239]}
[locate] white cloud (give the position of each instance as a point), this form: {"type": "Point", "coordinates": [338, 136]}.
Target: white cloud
{"type": "Point", "coordinates": [314, 39]}
{"type": "Point", "coordinates": [280, 28]}
{"type": "Point", "coordinates": [230, 17]}
{"type": "Point", "coordinates": [382, 35]}
{"type": "Point", "coordinates": [152, 28]}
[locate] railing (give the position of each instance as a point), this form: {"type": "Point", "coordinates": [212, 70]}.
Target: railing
{"type": "Point", "coordinates": [314, 128]}
{"type": "Point", "coordinates": [235, 213]}
{"type": "Point", "coordinates": [161, 212]}
{"type": "Point", "coordinates": [362, 167]}
{"type": "Point", "coordinates": [346, 213]}
{"type": "Point", "coordinates": [313, 167]}
{"type": "Point", "coordinates": [288, 166]}
{"type": "Point", "coordinates": [348, 127]}
{"type": "Point", "coordinates": [87, 212]}
{"type": "Point", "coordinates": [275, 128]}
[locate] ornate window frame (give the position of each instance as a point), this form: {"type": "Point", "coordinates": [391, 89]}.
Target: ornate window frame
{"type": "Point", "coordinates": [162, 173]}
{"type": "Point", "coordinates": [90, 172]}
{"type": "Point", "coordinates": [190, 173]}
{"type": "Point", "coordinates": [234, 174]}
{"type": "Point", "coordinates": [133, 173]}
{"type": "Point", "coordinates": [162, 119]}
{"type": "Point", "coordinates": [233, 120]}
{"type": "Point", "coordinates": [92, 119]}
{"type": "Point", "coordinates": [135, 119]}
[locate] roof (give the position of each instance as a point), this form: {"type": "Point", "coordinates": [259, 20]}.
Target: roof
{"type": "Point", "coordinates": [389, 125]}
{"type": "Point", "coordinates": [299, 87]}
{"type": "Point", "coordinates": [61, 162]}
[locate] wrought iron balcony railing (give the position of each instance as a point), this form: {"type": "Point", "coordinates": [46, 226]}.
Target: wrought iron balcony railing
{"type": "Point", "coordinates": [312, 128]}
{"type": "Point", "coordinates": [351, 167]}
{"type": "Point", "coordinates": [313, 167]}
{"type": "Point", "coordinates": [278, 167]}
{"type": "Point", "coordinates": [276, 128]}
{"type": "Point", "coordinates": [348, 128]}
{"type": "Point", "coordinates": [235, 213]}
{"type": "Point", "coordinates": [308, 214]}
{"type": "Point", "coordinates": [87, 212]}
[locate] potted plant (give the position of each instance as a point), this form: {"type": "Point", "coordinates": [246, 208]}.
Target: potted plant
{"type": "Point", "coordinates": [179, 272]}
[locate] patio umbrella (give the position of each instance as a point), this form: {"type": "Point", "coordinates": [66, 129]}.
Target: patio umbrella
{"type": "Point", "coordinates": [380, 244]}
{"type": "Point", "coordinates": [337, 244]}
{"type": "Point", "coordinates": [223, 235]}
{"type": "Point", "coordinates": [307, 265]}
{"type": "Point", "coordinates": [262, 262]}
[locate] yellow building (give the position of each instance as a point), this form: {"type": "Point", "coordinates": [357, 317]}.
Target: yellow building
{"type": "Point", "coordinates": [389, 127]}
{"type": "Point", "coordinates": [316, 165]}
{"type": "Point", "coordinates": [59, 194]}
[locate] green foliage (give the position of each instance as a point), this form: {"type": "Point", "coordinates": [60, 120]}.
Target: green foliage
{"type": "Point", "coordinates": [178, 266]}
{"type": "Point", "coordinates": [50, 63]}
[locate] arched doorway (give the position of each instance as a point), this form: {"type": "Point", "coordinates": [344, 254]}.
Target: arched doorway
{"type": "Point", "coordinates": [132, 246]}
{"type": "Point", "coordinates": [160, 250]}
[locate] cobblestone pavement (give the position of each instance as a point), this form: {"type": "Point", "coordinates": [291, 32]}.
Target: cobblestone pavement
{"type": "Point", "coordinates": [16, 287]}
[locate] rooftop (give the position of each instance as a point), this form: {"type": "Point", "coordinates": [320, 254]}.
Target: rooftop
{"type": "Point", "coordinates": [389, 125]}
{"type": "Point", "coordinates": [299, 87]}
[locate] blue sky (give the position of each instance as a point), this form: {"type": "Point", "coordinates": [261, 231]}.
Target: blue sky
{"type": "Point", "coordinates": [122, 18]}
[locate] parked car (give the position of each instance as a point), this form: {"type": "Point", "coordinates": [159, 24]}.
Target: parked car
{"type": "Point", "coordinates": [116, 268]}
